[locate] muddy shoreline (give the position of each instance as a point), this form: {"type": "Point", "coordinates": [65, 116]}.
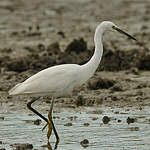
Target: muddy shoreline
{"type": "Point", "coordinates": [39, 34]}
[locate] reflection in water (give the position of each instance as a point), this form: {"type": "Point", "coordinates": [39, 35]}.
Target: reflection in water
{"type": "Point", "coordinates": [116, 135]}
{"type": "Point", "coordinates": [49, 146]}
{"type": "Point", "coordinates": [56, 144]}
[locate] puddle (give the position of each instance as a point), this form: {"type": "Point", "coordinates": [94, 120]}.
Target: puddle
{"type": "Point", "coordinates": [116, 135]}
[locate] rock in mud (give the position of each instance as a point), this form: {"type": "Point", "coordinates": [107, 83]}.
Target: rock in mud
{"type": "Point", "coordinates": [56, 117]}
{"type": "Point", "coordinates": [61, 33]}
{"type": "Point", "coordinates": [53, 49]}
{"type": "Point", "coordinates": [68, 124]}
{"type": "Point", "coordinates": [75, 53]}
{"type": "Point", "coordinates": [25, 146]}
{"type": "Point", "coordinates": [37, 122]}
{"type": "Point", "coordinates": [130, 120]}
{"type": "Point", "coordinates": [41, 47]}
{"type": "Point", "coordinates": [72, 118]}
{"type": "Point", "coordinates": [80, 101]}
{"type": "Point", "coordinates": [134, 128]}
{"type": "Point", "coordinates": [116, 87]}
{"type": "Point", "coordinates": [119, 120]}
{"type": "Point", "coordinates": [1, 118]}
{"type": "Point", "coordinates": [45, 57]}
{"type": "Point", "coordinates": [98, 111]}
{"type": "Point", "coordinates": [100, 83]}
{"type": "Point", "coordinates": [84, 143]}
{"type": "Point", "coordinates": [134, 71]}
{"type": "Point", "coordinates": [115, 60]}
{"type": "Point", "coordinates": [18, 65]}
{"type": "Point", "coordinates": [2, 149]}
{"type": "Point", "coordinates": [106, 119]}
{"type": "Point", "coordinates": [77, 46]}
{"type": "Point", "coordinates": [145, 62]}
{"type": "Point", "coordinates": [94, 118]}
{"type": "Point", "coordinates": [86, 124]}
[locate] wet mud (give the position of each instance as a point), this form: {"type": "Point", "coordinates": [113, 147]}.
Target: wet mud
{"type": "Point", "coordinates": [116, 134]}
{"type": "Point", "coordinates": [39, 34]}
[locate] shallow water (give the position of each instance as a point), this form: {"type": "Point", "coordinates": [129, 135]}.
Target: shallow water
{"type": "Point", "coordinates": [112, 136]}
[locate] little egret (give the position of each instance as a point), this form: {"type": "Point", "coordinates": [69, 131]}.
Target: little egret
{"type": "Point", "coordinates": [61, 80]}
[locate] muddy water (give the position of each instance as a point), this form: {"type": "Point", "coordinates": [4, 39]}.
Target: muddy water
{"type": "Point", "coordinates": [116, 135]}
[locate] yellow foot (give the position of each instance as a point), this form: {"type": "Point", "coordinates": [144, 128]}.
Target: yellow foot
{"type": "Point", "coordinates": [49, 124]}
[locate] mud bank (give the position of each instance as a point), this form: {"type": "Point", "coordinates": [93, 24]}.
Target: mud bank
{"type": "Point", "coordinates": [37, 35]}
{"type": "Point", "coordinates": [111, 110]}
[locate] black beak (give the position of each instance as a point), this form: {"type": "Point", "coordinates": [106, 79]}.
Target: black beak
{"type": "Point", "coordinates": [122, 32]}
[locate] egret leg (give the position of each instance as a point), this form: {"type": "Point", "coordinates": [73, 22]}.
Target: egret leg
{"type": "Point", "coordinates": [51, 125]}
{"type": "Point", "coordinates": [49, 120]}
{"type": "Point", "coordinates": [33, 110]}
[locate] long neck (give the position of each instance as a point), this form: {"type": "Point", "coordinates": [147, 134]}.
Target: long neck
{"type": "Point", "coordinates": [91, 66]}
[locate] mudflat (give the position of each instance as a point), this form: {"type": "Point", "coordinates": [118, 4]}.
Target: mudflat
{"type": "Point", "coordinates": [39, 34]}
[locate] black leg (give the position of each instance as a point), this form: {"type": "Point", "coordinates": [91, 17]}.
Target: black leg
{"type": "Point", "coordinates": [45, 119]}
{"type": "Point", "coordinates": [33, 110]}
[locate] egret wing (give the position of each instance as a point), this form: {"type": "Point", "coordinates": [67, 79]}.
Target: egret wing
{"type": "Point", "coordinates": [51, 80]}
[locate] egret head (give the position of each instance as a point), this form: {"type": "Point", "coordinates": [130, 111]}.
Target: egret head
{"type": "Point", "coordinates": [107, 25]}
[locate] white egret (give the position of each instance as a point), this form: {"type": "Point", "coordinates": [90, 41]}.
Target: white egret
{"type": "Point", "coordinates": [61, 80]}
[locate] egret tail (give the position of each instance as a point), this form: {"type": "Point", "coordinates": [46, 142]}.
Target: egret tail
{"type": "Point", "coordinates": [13, 90]}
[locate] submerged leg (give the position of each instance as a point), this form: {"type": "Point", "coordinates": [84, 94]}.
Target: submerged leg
{"type": "Point", "coordinates": [51, 124]}
{"type": "Point", "coordinates": [49, 120]}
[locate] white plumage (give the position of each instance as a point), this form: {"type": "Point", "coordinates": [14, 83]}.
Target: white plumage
{"type": "Point", "coordinates": [62, 79]}
{"type": "Point", "coordinates": [51, 81]}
